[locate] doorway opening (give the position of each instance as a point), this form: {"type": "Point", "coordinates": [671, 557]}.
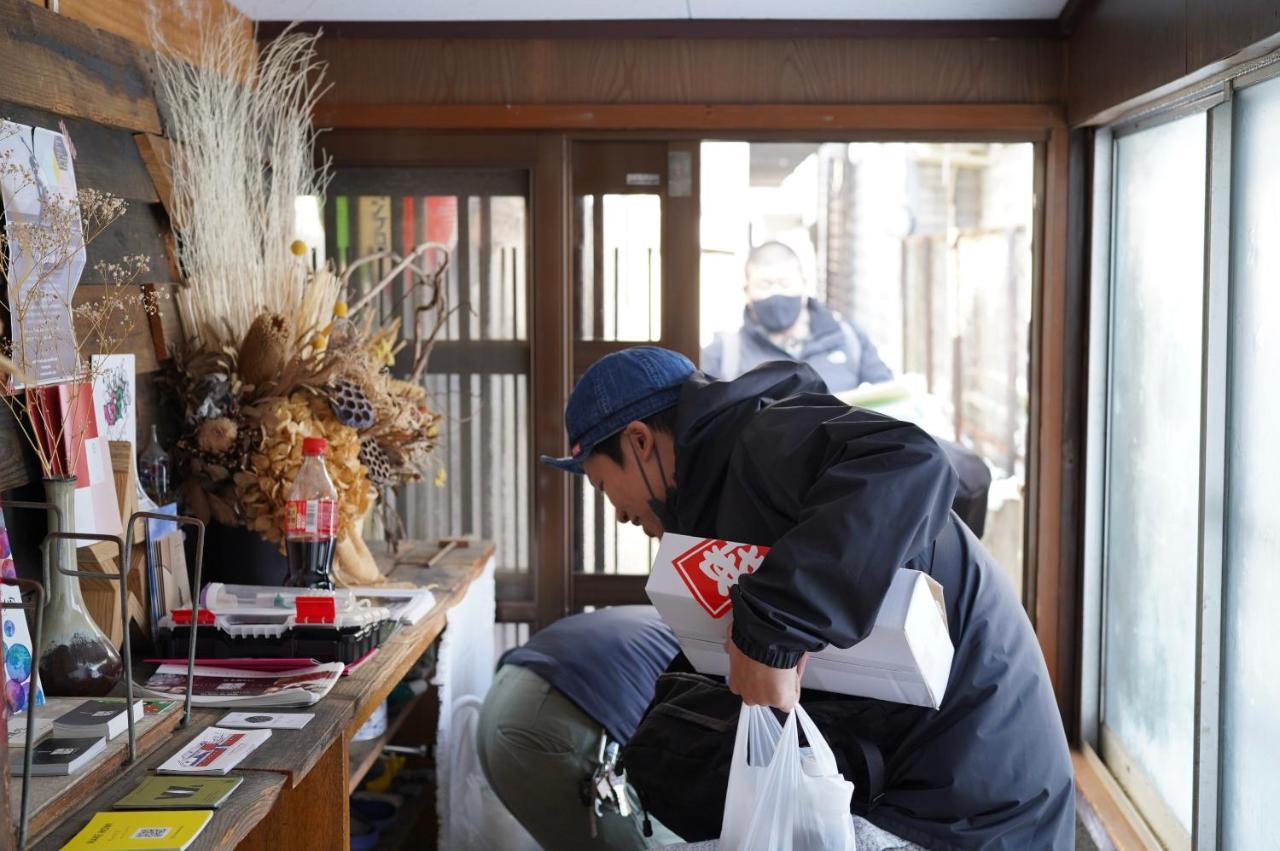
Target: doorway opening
{"type": "Point", "coordinates": [917, 259]}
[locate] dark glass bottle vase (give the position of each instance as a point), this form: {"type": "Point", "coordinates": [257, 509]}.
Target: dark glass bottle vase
{"type": "Point", "coordinates": [76, 658]}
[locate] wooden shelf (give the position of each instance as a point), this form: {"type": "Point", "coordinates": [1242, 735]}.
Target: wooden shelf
{"type": "Point", "coordinates": [53, 798]}
{"type": "Point", "coordinates": [299, 777]}
{"type": "Point", "coordinates": [449, 580]}
{"type": "Point", "coordinates": [417, 819]}
{"type": "Point", "coordinates": [363, 755]}
{"type": "Point", "coordinates": [231, 822]}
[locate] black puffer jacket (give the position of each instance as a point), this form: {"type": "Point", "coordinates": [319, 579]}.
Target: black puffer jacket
{"type": "Point", "coordinates": [845, 497]}
{"type": "Point", "coordinates": [839, 351]}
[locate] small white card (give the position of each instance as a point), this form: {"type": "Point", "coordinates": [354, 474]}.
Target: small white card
{"type": "Point", "coordinates": [273, 720]}
{"type": "Point", "coordinates": [215, 751]}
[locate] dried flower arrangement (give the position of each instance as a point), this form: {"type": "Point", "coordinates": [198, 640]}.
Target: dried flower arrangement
{"type": "Point", "coordinates": [39, 304]}
{"type": "Point", "coordinates": [271, 353]}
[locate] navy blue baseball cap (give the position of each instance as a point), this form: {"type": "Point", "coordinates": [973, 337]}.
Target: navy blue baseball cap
{"type": "Point", "coordinates": [617, 389]}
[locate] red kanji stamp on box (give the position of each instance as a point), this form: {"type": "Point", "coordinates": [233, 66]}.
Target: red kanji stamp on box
{"type": "Point", "coordinates": [712, 567]}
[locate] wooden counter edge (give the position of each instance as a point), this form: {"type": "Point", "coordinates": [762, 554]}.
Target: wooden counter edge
{"type": "Point", "coordinates": [422, 634]}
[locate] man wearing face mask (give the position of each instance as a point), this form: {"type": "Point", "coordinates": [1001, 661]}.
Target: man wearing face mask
{"type": "Point", "coordinates": [781, 322]}
{"type": "Point", "coordinates": [844, 497]}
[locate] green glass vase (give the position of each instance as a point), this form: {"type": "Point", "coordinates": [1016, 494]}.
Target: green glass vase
{"type": "Point", "coordinates": [77, 659]}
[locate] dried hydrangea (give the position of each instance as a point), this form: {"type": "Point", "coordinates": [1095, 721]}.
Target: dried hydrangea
{"type": "Point", "coordinates": [263, 487]}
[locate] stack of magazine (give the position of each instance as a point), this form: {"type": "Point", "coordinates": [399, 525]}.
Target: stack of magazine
{"type": "Point", "coordinates": [231, 687]}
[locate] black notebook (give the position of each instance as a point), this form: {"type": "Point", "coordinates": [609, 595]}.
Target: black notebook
{"type": "Point", "coordinates": [59, 755]}
{"type": "Point", "coordinates": [105, 718]}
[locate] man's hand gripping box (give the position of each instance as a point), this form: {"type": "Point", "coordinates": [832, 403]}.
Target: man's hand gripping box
{"type": "Point", "coordinates": [905, 659]}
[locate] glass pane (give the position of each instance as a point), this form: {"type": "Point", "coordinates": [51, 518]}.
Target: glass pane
{"type": "Point", "coordinates": [603, 545]}
{"type": "Point", "coordinates": [1251, 716]}
{"type": "Point", "coordinates": [1153, 475]}
{"type": "Point", "coordinates": [618, 267]}
{"type": "Point", "coordinates": [478, 374]}
{"type": "Point", "coordinates": [924, 248]}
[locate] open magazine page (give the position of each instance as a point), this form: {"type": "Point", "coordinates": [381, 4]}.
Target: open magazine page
{"type": "Point", "coordinates": [229, 687]}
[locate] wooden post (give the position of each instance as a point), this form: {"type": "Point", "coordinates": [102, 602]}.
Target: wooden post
{"type": "Point", "coordinates": [314, 814]}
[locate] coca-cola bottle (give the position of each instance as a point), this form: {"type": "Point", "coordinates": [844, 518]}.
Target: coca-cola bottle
{"type": "Point", "coordinates": [311, 523]}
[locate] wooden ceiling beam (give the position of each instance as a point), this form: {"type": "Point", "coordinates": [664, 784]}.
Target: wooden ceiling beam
{"type": "Point", "coordinates": [711, 117]}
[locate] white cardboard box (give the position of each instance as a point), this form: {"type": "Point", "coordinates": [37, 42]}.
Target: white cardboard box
{"type": "Point", "coordinates": [905, 659]}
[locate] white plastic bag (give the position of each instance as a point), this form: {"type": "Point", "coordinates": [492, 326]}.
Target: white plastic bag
{"type": "Point", "coordinates": [782, 797]}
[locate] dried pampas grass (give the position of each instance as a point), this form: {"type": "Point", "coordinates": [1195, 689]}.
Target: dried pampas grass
{"type": "Point", "coordinates": [239, 116]}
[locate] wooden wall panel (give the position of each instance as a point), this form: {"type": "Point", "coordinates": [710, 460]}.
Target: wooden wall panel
{"type": "Point", "coordinates": [63, 66]}
{"type": "Point", "coordinates": [1218, 28]}
{"type": "Point", "coordinates": [141, 230]}
{"type": "Point", "coordinates": [106, 158]}
{"type": "Point", "coordinates": [17, 462]}
{"type": "Point", "coordinates": [619, 71]}
{"type": "Point", "coordinates": [78, 69]}
{"type": "Point", "coordinates": [1123, 49]}
{"type": "Point", "coordinates": [179, 22]}
{"type": "Point", "coordinates": [1126, 49]}
{"type": "Point", "coordinates": [699, 119]}
{"type": "Point", "coordinates": [393, 148]}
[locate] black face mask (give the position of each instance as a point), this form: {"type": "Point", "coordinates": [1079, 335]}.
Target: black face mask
{"type": "Point", "coordinates": [663, 509]}
{"type": "Point", "coordinates": [778, 312]}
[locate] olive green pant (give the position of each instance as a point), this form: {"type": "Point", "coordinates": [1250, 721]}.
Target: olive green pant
{"type": "Point", "coordinates": [536, 749]}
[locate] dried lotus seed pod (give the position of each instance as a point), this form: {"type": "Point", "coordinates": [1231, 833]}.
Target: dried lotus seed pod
{"type": "Point", "coordinates": [350, 404]}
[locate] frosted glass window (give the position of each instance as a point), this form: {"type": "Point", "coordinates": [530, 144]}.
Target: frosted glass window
{"type": "Point", "coordinates": [1251, 705]}
{"type": "Point", "coordinates": [618, 267]}
{"type": "Point", "coordinates": [1153, 470]}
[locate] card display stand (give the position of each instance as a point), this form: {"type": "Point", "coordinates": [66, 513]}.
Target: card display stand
{"type": "Point", "coordinates": [122, 547]}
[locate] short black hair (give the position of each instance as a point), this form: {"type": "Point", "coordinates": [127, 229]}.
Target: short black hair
{"type": "Point", "coordinates": [611, 447]}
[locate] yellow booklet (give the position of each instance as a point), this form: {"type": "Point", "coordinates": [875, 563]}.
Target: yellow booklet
{"type": "Point", "coordinates": [141, 830]}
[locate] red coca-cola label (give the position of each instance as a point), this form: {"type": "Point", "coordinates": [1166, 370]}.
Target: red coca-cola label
{"type": "Point", "coordinates": [311, 517]}
{"type": "Point", "coordinates": [712, 567]}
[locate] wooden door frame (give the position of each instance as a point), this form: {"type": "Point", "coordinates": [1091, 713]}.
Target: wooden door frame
{"type": "Point", "coordinates": [1051, 543]}
{"type": "Point", "coordinates": [543, 156]}
{"type": "Point", "coordinates": [603, 164]}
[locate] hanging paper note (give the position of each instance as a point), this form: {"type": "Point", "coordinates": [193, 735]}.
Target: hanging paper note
{"type": "Point", "coordinates": [45, 239]}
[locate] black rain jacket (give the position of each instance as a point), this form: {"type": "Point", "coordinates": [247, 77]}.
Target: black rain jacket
{"type": "Point", "coordinates": [845, 497]}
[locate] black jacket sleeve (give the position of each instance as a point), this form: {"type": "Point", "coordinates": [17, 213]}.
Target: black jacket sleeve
{"type": "Point", "coordinates": [864, 492]}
